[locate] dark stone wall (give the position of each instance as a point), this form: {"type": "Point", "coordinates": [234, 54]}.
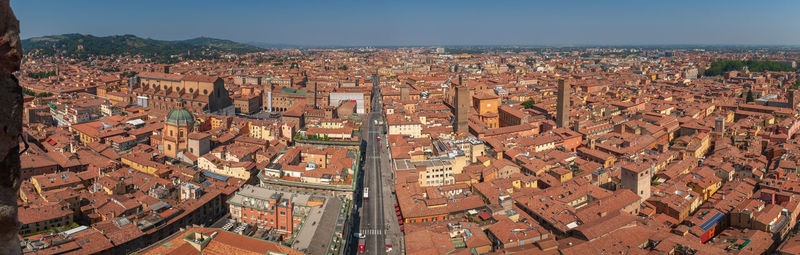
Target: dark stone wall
{"type": "Point", "coordinates": [10, 128]}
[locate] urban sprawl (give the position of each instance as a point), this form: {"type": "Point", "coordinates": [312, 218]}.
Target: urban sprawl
{"type": "Point", "coordinates": [413, 151]}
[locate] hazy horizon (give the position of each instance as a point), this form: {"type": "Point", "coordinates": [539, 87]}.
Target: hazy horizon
{"type": "Point", "coordinates": [677, 45]}
{"type": "Point", "coordinates": [416, 23]}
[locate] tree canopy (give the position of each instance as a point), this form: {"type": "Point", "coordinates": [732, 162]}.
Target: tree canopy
{"type": "Point", "coordinates": [86, 46]}
{"type": "Point", "coordinates": [719, 67]}
{"type": "Point", "coordinates": [42, 74]}
{"type": "Point", "coordinates": [528, 104]}
{"type": "Point", "coordinates": [34, 94]}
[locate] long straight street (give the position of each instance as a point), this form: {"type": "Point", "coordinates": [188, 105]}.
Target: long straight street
{"type": "Point", "coordinates": [374, 223]}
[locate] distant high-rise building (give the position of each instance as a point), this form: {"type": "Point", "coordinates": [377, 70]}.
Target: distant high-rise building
{"type": "Point", "coordinates": [792, 99]}
{"type": "Point", "coordinates": [462, 108]}
{"type": "Point", "coordinates": [562, 114]}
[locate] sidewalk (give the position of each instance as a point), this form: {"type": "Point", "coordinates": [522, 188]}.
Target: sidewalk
{"type": "Point", "coordinates": [392, 227]}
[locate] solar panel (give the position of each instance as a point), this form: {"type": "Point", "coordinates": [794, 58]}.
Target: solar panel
{"type": "Point", "coordinates": [711, 222]}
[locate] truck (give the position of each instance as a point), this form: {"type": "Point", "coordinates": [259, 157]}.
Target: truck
{"type": "Point", "coordinates": [366, 193]}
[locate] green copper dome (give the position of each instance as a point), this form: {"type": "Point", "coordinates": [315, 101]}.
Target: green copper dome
{"type": "Point", "coordinates": [180, 117]}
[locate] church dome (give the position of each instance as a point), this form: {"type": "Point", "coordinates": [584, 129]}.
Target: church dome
{"type": "Point", "coordinates": [180, 117]}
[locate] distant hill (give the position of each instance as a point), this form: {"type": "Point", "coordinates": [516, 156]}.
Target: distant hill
{"type": "Point", "coordinates": [82, 46]}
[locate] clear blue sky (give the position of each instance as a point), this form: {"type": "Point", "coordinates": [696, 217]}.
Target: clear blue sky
{"type": "Point", "coordinates": [432, 22]}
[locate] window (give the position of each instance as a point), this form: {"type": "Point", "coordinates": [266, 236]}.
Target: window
{"type": "Point", "coordinates": [171, 134]}
{"type": "Point", "coordinates": [205, 92]}
{"type": "Point", "coordinates": [169, 146]}
{"type": "Point", "coordinates": [283, 213]}
{"type": "Point", "coordinates": [180, 134]}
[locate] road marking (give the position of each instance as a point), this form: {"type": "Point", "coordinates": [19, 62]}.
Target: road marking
{"type": "Point", "coordinates": [372, 231]}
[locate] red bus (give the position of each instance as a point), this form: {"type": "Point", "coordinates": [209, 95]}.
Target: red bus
{"type": "Point", "coordinates": [362, 245]}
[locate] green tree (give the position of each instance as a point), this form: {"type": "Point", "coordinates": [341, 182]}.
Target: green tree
{"type": "Point", "coordinates": [720, 67]}
{"type": "Point", "coordinates": [34, 94]}
{"type": "Point", "coordinates": [28, 92]}
{"type": "Point", "coordinates": [42, 74]}
{"type": "Point", "coordinates": [750, 96]}
{"type": "Point", "coordinates": [528, 104]}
